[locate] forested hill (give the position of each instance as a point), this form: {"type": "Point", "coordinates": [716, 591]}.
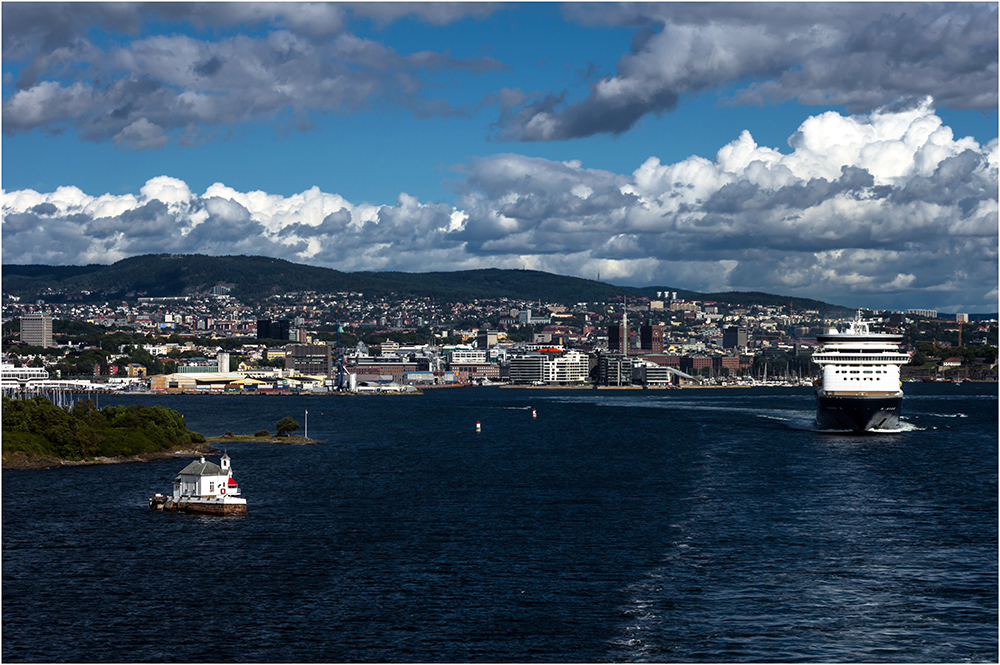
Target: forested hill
{"type": "Point", "coordinates": [36, 428]}
{"type": "Point", "coordinates": [256, 277]}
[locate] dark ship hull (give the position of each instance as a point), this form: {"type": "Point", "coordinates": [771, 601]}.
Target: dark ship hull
{"type": "Point", "coordinates": [858, 413]}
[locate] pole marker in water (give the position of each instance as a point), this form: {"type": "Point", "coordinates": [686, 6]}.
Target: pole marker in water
{"type": "Point", "coordinates": [478, 426]}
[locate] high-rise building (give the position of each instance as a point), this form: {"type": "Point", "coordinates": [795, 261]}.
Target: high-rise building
{"type": "Point", "coordinates": [486, 339]}
{"type": "Point", "coordinates": [310, 359]}
{"type": "Point", "coordinates": [618, 337]}
{"type": "Point", "coordinates": [651, 338]}
{"type": "Point", "coordinates": [36, 330]}
{"type": "Point", "coordinates": [615, 370]}
{"type": "Point", "coordinates": [527, 369]}
{"type": "Point", "coordinates": [272, 329]}
{"type": "Point", "coordinates": [734, 336]}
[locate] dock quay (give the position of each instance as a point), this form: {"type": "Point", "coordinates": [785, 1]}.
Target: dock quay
{"type": "Point", "coordinates": [209, 505]}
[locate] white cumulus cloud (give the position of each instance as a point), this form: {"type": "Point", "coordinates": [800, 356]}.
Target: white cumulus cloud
{"type": "Point", "coordinates": [886, 209]}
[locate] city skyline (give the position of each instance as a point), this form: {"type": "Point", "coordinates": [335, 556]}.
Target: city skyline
{"type": "Point", "coordinates": [841, 152]}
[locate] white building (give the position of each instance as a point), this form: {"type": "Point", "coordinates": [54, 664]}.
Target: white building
{"type": "Point", "coordinates": [204, 487]}
{"type": "Point", "coordinates": [573, 367]}
{"type": "Point", "coordinates": [205, 479]}
{"type": "Point", "coordinates": [926, 313]}
{"type": "Point", "coordinates": [532, 368]}
{"type": "Point", "coordinates": [467, 356]}
{"type": "Point", "coordinates": [524, 318]}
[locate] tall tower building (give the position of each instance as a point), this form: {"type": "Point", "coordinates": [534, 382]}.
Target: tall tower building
{"type": "Point", "coordinates": [651, 338]}
{"type": "Point", "coordinates": [618, 339]}
{"type": "Point", "coordinates": [734, 336]}
{"type": "Point", "coordinates": [36, 330]}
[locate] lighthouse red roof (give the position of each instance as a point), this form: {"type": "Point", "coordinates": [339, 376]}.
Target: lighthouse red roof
{"type": "Point", "coordinates": [232, 482]}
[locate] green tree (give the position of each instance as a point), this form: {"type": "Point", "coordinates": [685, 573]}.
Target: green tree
{"type": "Point", "coordinates": [287, 425]}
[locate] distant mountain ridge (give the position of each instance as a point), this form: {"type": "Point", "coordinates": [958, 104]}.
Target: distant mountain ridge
{"type": "Point", "coordinates": [256, 277]}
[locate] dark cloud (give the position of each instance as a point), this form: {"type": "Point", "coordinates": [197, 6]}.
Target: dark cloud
{"type": "Point", "coordinates": [743, 196]}
{"type": "Point", "coordinates": [861, 55]}
{"type": "Point", "coordinates": [153, 89]}
{"type": "Point", "coordinates": [21, 222]}
{"type": "Point", "coordinates": [44, 209]}
{"type": "Point", "coordinates": [210, 67]}
{"type": "Point", "coordinates": [333, 224]}
{"type": "Point", "coordinates": [954, 179]}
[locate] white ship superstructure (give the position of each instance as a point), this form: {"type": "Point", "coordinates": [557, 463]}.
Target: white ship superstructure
{"type": "Point", "coordinates": [859, 388]}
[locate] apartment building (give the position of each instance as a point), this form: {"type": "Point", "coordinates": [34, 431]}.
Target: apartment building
{"type": "Point", "coordinates": [36, 330]}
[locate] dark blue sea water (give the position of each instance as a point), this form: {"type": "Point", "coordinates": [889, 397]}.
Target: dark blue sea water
{"type": "Point", "coordinates": [693, 525]}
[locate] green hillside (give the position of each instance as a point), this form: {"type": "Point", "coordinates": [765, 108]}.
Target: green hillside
{"type": "Point", "coordinates": [256, 277]}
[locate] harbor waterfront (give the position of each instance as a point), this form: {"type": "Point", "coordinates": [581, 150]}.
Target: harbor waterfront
{"type": "Point", "coordinates": [684, 525]}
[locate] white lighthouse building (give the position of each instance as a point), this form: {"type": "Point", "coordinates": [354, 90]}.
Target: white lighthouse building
{"type": "Point", "coordinates": [204, 487]}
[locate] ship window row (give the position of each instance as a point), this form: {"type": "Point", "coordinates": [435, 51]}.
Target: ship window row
{"type": "Point", "coordinates": [860, 371]}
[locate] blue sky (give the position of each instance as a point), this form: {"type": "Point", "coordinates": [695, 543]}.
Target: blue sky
{"type": "Point", "coordinates": [844, 152]}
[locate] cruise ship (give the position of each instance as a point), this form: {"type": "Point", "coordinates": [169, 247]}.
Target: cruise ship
{"type": "Point", "coordinates": [859, 388]}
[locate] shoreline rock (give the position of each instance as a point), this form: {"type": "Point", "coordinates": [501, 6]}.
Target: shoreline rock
{"type": "Point", "coordinates": [18, 460]}
{"type": "Point", "coordinates": [290, 440]}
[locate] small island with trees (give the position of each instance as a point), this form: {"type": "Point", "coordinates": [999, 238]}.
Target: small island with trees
{"type": "Point", "coordinates": [38, 434]}
{"type": "Point", "coordinates": [283, 434]}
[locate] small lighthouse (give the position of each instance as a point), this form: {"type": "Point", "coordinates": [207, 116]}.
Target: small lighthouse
{"type": "Point", "coordinates": [204, 487]}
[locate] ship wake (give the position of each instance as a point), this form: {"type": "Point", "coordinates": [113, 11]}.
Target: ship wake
{"type": "Point", "coordinates": [798, 420]}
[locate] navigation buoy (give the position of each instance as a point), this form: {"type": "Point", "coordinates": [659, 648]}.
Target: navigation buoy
{"type": "Point", "coordinates": [534, 414]}
{"type": "Point", "coordinates": [478, 427]}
